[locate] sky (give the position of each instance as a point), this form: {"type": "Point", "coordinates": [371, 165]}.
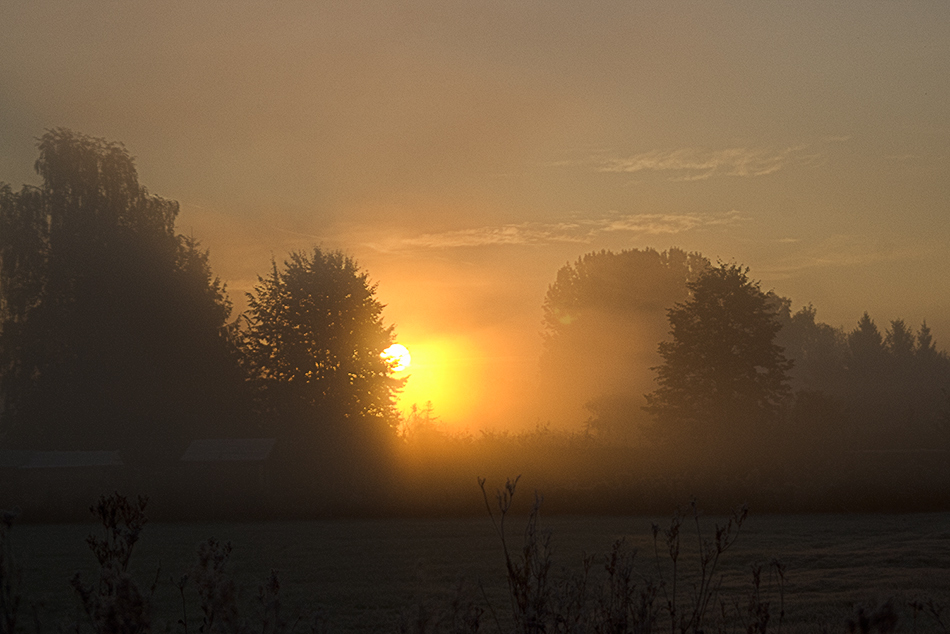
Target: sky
{"type": "Point", "coordinates": [463, 151]}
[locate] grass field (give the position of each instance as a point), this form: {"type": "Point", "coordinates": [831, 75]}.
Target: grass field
{"type": "Point", "coordinates": [363, 575]}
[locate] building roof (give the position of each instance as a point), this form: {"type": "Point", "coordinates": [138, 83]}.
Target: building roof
{"type": "Point", "coordinates": [11, 458]}
{"type": "Point", "coordinates": [229, 450]}
{"type": "Point", "coordinates": [72, 459]}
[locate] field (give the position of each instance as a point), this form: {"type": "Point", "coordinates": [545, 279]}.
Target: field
{"type": "Point", "coordinates": [367, 575]}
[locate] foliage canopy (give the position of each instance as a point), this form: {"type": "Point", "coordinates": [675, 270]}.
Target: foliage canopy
{"type": "Point", "coordinates": [602, 318]}
{"type": "Point", "coordinates": [112, 327]}
{"type": "Point", "coordinates": [314, 339]}
{"type": "Point", "coordinates": [722, 372]}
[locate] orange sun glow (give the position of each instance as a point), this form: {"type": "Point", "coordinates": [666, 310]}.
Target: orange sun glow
{"type": "Point", "coordinates": [398, 355]}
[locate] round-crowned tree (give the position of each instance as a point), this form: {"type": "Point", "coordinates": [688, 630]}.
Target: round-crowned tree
{"type": "Point", "coordinates": [602, 318]}
{"type": "Point", "coordinates": [313, 341]}
{"type": "Point", "coordinates": [113, 329]}
{"type": "Point", "coordinates": [722, 377]}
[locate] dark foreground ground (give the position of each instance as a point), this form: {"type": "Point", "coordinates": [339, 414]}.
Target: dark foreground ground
{"type": "Point", "coordinates": [377, 575]}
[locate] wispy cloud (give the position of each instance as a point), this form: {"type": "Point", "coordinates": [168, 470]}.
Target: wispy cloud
{"type": "Point", "coordinates": [580, 231]}
{"type": "Point", "coordinates": [698, 163]}
{"type": "Point", "coordinates": [655, 224]}
{"type": "Point", "coordinates": [524, 233]}
{"type": "Point", "coordinates": [690, 164]}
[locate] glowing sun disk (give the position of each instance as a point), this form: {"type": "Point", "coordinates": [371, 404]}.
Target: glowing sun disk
{"type": "Point", "coordinates": [398, 355]}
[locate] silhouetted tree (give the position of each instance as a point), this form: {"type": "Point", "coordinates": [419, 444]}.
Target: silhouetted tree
{"type": "Point", "coordinates": [112, 327]}
{"type": "Point", "coordinates": [723, 377]}
{"type": "Point", "coordinates": [818, 351]}
{"type": "Point", "coordinates": [618, 283]}
{"type": "Point", "coordinates": [925, 349]}
{"type": "Point", "coordinates": [866, 346]}
{"type": "Point", "coordinates": [888, 389]}
{"type": "Point", "coordinates": [817, 430]}
{"type": "Point", "coordinates": [932, 366]}
{"type": "Point", "coordinates": [314, 340]}
{"type": "Point", "coordinates": [602, 318]}
{"type": "Point", "coordinates": [895, 386]}
{"type": "Point", "coordinates": [900, 343]}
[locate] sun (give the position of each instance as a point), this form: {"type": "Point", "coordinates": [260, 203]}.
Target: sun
{"type": "Point", "coordinates": [398, 355]}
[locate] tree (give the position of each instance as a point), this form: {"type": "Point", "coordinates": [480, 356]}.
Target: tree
{"type": "Point", "coordinates": [900, 343]}
{"type": "Point", "coordinates": [925, 348]}
{"type": "Point", "coordinates": [602, 318]}
{"type": "Point", "coordinates": [722, 377]}
{"type": "Point", "coordinates": [819, 351]}
{"type": "Point", "coordinates": [314, 339]}
{"type": "Point", "coordinates": [617, 283]}
{"type": "Point", "coordinates": [867, 349]}
{"type": "Point", "coordinates": [112, 327]}
{"type": "Point", "coordinates": [896, 385]}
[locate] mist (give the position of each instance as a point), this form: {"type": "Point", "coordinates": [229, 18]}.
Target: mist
{"type": "Point", "coordinates": [659, 375]}
{"type": "Point", "coordinates": [669, 270]}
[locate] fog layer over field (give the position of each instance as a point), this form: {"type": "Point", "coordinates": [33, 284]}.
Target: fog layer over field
{"type": "Point", "coordinates": [122, 367]}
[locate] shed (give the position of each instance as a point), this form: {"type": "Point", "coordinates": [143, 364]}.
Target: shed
{"type": "Point", "coordinates": [72, 459]}
{"type": "Point", "coordinates": [14, 458]}
{"type": "Point", "coordinates": [222, 476]}
{"type": "Point", "coordinates": [65, 482]}
{"type": "Point", "coordinates": [229, 450]}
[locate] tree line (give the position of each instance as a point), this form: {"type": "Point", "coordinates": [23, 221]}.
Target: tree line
{"type": "Point", "coordinates": [115, 333]}
{"type": "Point", "coordinates": [739, 374]}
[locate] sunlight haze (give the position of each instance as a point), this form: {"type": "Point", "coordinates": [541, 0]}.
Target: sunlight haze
{"type": "Point", "coordinates": [462, 152]}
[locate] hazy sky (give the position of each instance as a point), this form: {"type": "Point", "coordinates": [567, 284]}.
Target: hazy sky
{"type": "Point", "coordinates": [463, 151]}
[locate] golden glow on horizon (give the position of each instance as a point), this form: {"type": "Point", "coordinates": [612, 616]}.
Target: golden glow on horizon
{"type": "Point", "coordinates": [399, 356]}
{"type": "Point", "coordinates": [462, 167]}
{"type": "Point", "coordinates": [440, 375]}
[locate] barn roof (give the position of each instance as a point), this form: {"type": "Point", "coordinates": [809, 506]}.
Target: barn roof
{"type": "Point", "coordinates": [72, 459]}
{"type": "Point", "coordinates": [229, 450]}
{"type": "Point", "coordinates": [11, 458]}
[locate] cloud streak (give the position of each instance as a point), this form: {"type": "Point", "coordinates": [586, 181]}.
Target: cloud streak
{"type": "Point", "coordinates": [693, 164]}
{"type": "Point", "coordinates": [579, 231]}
